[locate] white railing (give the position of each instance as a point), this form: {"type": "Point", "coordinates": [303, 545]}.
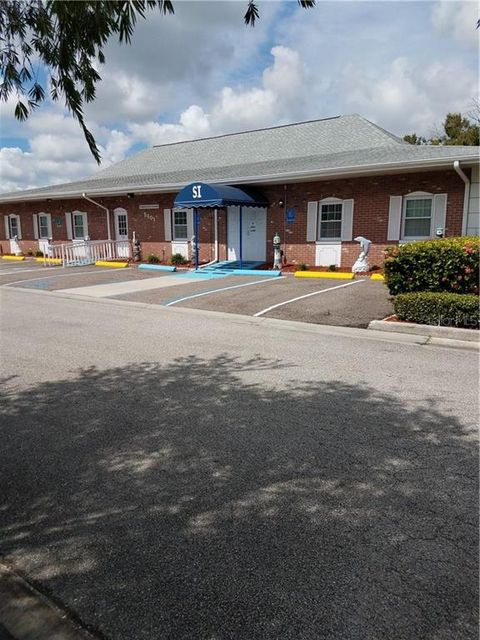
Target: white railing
{"type": "Point", "coordinates": [85, 252]}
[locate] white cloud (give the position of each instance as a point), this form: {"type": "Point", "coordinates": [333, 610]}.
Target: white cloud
{"type": "Point", "coordinates": [407, 97]}
{"type": "Point", "coordinates": [458, 20]}
{"type": "Point", "coordinates": [193, 123]}
{"type": "Point", "coordinates": [178, 60]}
{"type": "Point", "coordinates": [276, 100]}
{"type": "Point", "coordinates": [202, 73]}
{"type": "Point", "coordinates": [57, 152]}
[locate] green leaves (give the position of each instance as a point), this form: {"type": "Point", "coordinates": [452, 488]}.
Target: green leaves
{"type": "Point", "coordinates": [448, 264]}
{"type": "Point", "coordinates": [21, 111]}
{"type": "Point", "coordinates": [68, 39]}
{"type": "Point", "coordinates": [457, 130]}
{"type": "Point", "coordinates": [252, 13]}
{"type": "Point", "coordinates": [442, 309]}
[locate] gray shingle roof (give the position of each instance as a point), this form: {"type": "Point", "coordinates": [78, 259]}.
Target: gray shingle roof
{"type": "Point", "coordinates": [340, 143]}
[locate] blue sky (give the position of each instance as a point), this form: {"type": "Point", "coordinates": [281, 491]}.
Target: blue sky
{"type": "Point", "coordinates": [403, 65]}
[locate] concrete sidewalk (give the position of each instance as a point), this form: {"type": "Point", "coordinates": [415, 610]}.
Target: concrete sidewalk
{"type": "Point", "coordinates": [27, 614]}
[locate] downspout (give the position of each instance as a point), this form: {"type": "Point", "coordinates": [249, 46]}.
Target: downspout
{"type": "Point", "coordinates": [215, 225]}
{"type": "Point", "coordinates": [466, 196]}
{"type": "Point", "coordinates": [84, 195]}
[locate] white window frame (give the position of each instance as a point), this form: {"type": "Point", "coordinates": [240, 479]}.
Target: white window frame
{"type": "Point", "coordinates": [326, 201]}
{"type": "Point", "coordinates": [84, 225]}
{"type": "Point", "coordinates": [174, 225]}
{"type": "Point", "coordinates": [15, 217]}
{"type": "Point", "coordinates": [420, 195]}
{"type": "Point", "coordinates": [48, 225]}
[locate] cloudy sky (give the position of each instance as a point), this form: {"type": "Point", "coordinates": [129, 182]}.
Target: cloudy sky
{"type": "Point", "coordinates": [201, 72]}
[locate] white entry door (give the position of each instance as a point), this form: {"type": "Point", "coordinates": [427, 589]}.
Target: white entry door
{"type": "Point", "coordinates": [121, 233]}
{"type": "Point", "coordinates": [254, 233]}
{"type": "Point", "coordinates": [44, 227]}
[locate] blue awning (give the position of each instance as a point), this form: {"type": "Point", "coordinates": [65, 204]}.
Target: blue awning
{"type": "Point", "coordinates": [200, 194]}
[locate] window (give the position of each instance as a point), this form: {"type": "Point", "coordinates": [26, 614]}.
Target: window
{"type": "Point", "coordinates": [180, 225]}
{"type": "Point", "coordinates": [417, 219]}
{"type": "Point", "coordinates": [43, 226]}
{"type": "Point", "coordinates": [13, 226]}
{"type": "Point", "coordinates": [330, 227]}
{"type": "Point", "coordinates": [122, 224]}
{"type": "Point", "coordinates": [78, 226]}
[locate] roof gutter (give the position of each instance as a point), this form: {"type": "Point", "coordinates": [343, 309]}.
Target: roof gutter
{"type": "Point", "coordinates": [430, 163]}
{"type": "Point", "coordinates": [466, 195]}
{"type": "Point", "coordinates": [84, 195]}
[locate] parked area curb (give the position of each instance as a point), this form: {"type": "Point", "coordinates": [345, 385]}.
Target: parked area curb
{"type": "Point", "coordinates": [49, 260]}
{"type": "Point", "coordinates": [13, 258]}
{"type": "Point", "coordinates": [269, 273]}
{"type": "Point", "coordinates": [157, 267]}
{"type": "Point", "coordinates": [377, 276]}
{"type": "Point", "coordinates": [430, 331]}
{"type": "Point", "coordinates": [114, 265]}
{"type": "Point", "coordinates": [28, 615]}
{"type": "Point", "coordinates": [334, 275]}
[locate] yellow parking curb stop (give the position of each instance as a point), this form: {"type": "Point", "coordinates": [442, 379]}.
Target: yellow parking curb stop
{"type": "Point", "coordinates": [115, 265]}
{"type": "Point", "coordinates": [377, 276]}
{"type": "Point", "coordinates": [13, 258]}
{"type": "Point", "coordinates": [49, 260]}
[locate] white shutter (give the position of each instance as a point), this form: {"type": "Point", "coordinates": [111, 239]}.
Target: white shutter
{"type": "Point", "coordinates": [35, 226]}
{"type": "Point", "coordinates": [190, 228]}
{"type": "Point", "coordinates": [167, 221]}
{"type": "Point", "coordinates": [19, 227]}
{"type": "Point", "coordinates": [49, 224]}
{"type": "Point", "coordinates": [439, 212]}
{"type": "Point", "coordinates": [7, 228]}
{"type": "Point", "coordinates": [312, 214]}
{"type": "Point", "coordinates": [68, 221]}
{"type": "Point", "coordinates": [394, 218]}
{"type": "Point", "coordinates": [85, 225]}
{"type": "Point", "coordinates": [347, 220]}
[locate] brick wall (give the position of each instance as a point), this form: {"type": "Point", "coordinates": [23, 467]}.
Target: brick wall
{"type": "Point", "coordinates": [371, 205]}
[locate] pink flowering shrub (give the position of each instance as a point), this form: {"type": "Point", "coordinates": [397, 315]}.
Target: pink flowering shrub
{"type": "Point", "coordinates": [447, 264]}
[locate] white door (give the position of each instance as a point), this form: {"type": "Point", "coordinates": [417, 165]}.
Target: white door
{"type": "Point", "coordinates": [80, 234]}
{"type": "Point", "coordinates": [44, 232]}
{"type": "Point", "coordinates": [254, 233]}
{"type": "Point", "coordinates": [12, 228]}
{"type": "Point", "coordinates": [121, 233]}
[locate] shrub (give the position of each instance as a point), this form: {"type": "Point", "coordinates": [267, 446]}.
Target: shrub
{"type": "Point", "coordinates": [177, 258]}
{"type": "Point", "coordinates": [30, 252]}
{"type": "Point", "coordinates": [39, 254]}
{"type": "Point", "coordinates": [153, 259]}
{"type": "Point", "coordinates": [444, 309]}
{"type": "Point", "coordinates": [447, 264]}
{"type": "Point", "coordinates": [332, 267]}
{"type": "Point", "coordinates": [302, 266]}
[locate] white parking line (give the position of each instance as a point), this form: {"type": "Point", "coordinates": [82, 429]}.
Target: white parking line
{"type": "Point", "coordinates": [307, 295]}
{"type": "Point", "coordinates": [10, 273]}
{"type": "Point", "coordinates": [62, 275]}
{"type": "Point", "coordinates": [235, 286]}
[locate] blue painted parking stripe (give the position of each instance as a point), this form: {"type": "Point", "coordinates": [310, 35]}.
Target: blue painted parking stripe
{"type": "Point", "coordinates": [264, 280]}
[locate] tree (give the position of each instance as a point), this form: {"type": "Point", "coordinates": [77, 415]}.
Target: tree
{"type": "Point", "coordinates": [412, 138]}
{"type": "Point", "coordinates": [457, 130]}
{"type": "Point", "coordinates": [68, 39]}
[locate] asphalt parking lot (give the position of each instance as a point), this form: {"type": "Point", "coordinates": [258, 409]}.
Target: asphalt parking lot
{"type": "Point", "coordinates": [179, 476]}
{"type": "Point", "coordinates": [351, 303]}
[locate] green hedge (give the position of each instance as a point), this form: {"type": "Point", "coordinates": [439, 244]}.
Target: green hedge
{"type": "Point", "coordinates": [444, 309]}
{"type": "Point", "coordinates": [447, 264]}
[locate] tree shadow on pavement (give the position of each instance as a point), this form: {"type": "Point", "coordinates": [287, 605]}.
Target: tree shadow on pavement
{"type": "Point", "coordinates": [193, 501]}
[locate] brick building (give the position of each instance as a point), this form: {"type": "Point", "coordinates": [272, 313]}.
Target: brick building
{"type": "Point", "coordinates": [325, 182]}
